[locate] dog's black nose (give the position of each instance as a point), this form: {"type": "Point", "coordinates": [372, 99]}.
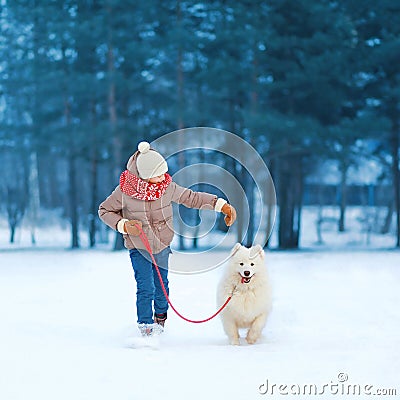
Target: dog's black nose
{"type": "Point", "coordinates": [246, 273]}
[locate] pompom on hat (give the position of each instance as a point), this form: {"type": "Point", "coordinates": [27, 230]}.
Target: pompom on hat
{"type": "Point", "coordinates": [149, 163]}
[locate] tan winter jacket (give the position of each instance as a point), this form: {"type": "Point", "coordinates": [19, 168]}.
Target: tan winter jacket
{"type": "Point", "coordinates": [156, 216]}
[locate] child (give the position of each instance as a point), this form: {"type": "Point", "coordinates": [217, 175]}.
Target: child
{"type": "Point", "coordinates": [144, 197]}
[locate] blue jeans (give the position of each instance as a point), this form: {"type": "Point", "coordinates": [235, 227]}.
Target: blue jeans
{"type": "Point", "coordinates": [148, 284]}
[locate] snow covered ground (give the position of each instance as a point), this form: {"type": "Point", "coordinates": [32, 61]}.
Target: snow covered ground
{"type": "Point", "coordinates": [67, 318]}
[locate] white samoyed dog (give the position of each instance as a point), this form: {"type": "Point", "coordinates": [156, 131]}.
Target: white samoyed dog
{"type": "Point", "coordinates": [246, 279]}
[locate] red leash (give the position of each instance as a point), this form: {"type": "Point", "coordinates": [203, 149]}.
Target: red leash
{"type": "Point", "coordinates": [146, 243]}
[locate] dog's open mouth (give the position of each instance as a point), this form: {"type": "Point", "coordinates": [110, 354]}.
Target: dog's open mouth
{"type": "Point", "coordinates": [246, 279]}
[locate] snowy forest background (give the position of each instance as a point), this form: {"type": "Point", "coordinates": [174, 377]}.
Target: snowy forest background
{"type": "Point", "coordinates": [314, 86]}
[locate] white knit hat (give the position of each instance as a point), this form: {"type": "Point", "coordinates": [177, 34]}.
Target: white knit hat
{"type": "Point", "coordinates": [149, 163]}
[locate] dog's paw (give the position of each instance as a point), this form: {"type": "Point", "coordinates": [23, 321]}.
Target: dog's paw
{"type": "Point", "coordinates": [251, 339]}
{"type": "Point", "coordinates": [234, 341]}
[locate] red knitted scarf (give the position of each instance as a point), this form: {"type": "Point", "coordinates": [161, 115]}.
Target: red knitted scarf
{"type": "Point", "coordinates": [132, 185]}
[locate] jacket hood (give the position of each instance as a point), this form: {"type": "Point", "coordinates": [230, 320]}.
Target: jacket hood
{"type": "Point", "coordinates": [131, 165]}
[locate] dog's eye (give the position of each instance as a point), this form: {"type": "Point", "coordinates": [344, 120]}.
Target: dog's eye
{"type": "Point", "coordinates": [242, 264]}
{"type": "Point", "coordinates": [252, 264]}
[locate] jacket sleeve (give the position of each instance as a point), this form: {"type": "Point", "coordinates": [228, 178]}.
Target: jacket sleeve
{"type": "Point", "coordinates": [191, 199]}
{"type": "Point", "coordinates": [110, 210]}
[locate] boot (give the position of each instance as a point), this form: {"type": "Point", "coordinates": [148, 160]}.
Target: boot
{"type": "Point", "coordinates": [160, 318]}
{"type": "Point", "coordinates": [148, 330]}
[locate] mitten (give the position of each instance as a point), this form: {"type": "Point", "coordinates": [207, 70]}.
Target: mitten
{"type": "Point", "coordinates": [131, 228]}
{"type": "Point", "coordinates": [230, 214]}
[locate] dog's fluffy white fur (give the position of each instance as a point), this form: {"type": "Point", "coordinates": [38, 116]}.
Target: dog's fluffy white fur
{"type": "Point", "coordinates": [247, 278]}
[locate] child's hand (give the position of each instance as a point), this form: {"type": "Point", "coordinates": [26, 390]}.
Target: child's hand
{"type": "Point", "coordinates": [131, 228]}
{"type": "Point", "coordinates": [230, 213]}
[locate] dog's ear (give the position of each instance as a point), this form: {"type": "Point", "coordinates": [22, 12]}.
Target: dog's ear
{"type": "Point", "coordinates": [235, 249]}
{"type": "Point", "coordinates": [256, 251]}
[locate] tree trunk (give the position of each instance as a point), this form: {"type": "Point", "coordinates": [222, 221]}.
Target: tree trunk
{"type": "Point", "coordinates": [289, 195]}
{"type": "Point", "coordinates": [343, 196]}
{"type": "Point", "coordinates": [33, 179]}
{"type": "Point", "coordinates": [396, 174]}
{"type": "Point", "coordinates": [388, 218]}
{"type": "Point", "coordinates": [93, 180]}
{"type": "Point", "coordinates": [15, 209]}
{"type": "Point", "coordinates": [270, 204]}
{"type": "Point", "coordinates": [320, 218]}
{"type": "Point", "coordinates": [72, 173]}
{"type": "Point", "coordinates": [180, 122]}
{"type": "Point", "coordinates": [112, 112]}
{"type": "Point", "coordinates": [235, 168]}
{"type": "Point", "coordinates": [73, 202]}
{"type": "Point", "coordinates": [298, 200]}
{"type": "Point", "coordinates": [181, 208]}
{"type": "Point", "coordinates": [200, 178]}
{"type": "Point", "coordinates": [33, 196]}
{"type": "Point", "coordinates": [12, 234]}
{"type": "Point", "coordinates": [54, 194]}
{"type": "Point", "coordinates": [248, 188]}
{"type": "Point", "coordinates": [249, 183]}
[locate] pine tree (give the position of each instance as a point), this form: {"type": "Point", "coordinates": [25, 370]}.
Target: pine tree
{"type": "Point", "coordinates": [306, 48]}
